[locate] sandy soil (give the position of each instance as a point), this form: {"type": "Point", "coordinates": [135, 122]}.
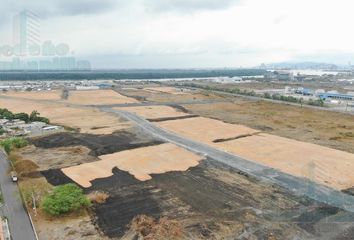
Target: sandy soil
{"type": "Point", "coordinates": [321, 164]}
{"type": "Point", "coordinates": [98, 97]}
{"type": "Point", "coordinates": [155, 112]}
{"type": "Point", "coordinates": [170, 90]}
{"type": "Point", "coordinates": [139, 162]}
{"type": "Point", "coordinates": [88, 120]}
{"type": "Point", "coordinates": [205, 129]}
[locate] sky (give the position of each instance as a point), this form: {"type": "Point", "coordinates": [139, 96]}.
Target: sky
{"type": "Point", "coordinates": [192, 33]}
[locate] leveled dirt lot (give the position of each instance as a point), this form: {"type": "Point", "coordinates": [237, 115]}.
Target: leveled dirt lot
{"type": "Point", "coordinates": [155, 112]}
{"type": "Point", "coordinates": [206, 130]}
{"type": "Point", "coordinates": [98, 97]}
{"type": "Point", "coordinates": [140, 163]}
{"type": "Point", "coordinates": [330, 129]}
{"type": "Point", "coordinates": [321, 164]}
{"type": "Point", "coordinates": [87, 120]}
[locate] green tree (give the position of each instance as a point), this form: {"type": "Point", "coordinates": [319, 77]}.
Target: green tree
{"type": "Point", "coordinates": [34, 115]}
{"type": "Point", "coordinates": [22, 116]}
{"type": "Point", "coordinates": [65, 199]}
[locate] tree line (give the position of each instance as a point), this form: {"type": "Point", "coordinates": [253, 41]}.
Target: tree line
{"type": "Point", "coordinates": [34, 116]}
{"type": "Point", "coordinates": [278, 97]}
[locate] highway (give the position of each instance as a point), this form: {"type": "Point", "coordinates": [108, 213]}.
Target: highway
{"type": "Point", "coordinates": [19, 222]}
{"type": "Point", "coordinates": [298, 186]}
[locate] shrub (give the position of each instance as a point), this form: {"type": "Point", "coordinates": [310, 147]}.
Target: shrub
{"type": "Point", "coordinates": [65, 199]}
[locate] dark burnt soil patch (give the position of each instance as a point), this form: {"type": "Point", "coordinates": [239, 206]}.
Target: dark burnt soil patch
{"type": "Point", "coordinates": [56, 177]}
{"type": "Point", "coordinates": [99, 144]}
{"type": "Point", "coordinates": [128, 198]}
{"type": "Point", "coordinates": [206, 197]}
{"type": "Point", "coordinates": [171, 118]}
{"type": "Point", "coordinates": [349, 191]}
{"type": "Point", "coordinates": [211, 201]}
{"type": "Point", "coordinates": [179, 107]}
{"type": "Point", "coordinates": [234, 138]}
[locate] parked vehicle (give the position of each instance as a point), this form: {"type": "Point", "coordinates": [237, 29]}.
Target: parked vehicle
{"type": "Point", "coordinates": [14, 177]}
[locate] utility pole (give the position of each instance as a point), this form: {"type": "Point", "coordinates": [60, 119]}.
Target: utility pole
{"type": "Point", "coordinates": [34, 204]}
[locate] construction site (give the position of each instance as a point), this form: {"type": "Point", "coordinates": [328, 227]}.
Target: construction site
{"type": "Point", "coordinates": [160, 162]}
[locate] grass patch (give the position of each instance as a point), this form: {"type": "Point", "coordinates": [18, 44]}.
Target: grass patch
{"type": "Point", "coordinates": [12, 143]}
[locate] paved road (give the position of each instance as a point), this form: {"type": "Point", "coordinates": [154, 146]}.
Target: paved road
{"type": "Point", "coordinates": [20, 225]}
{"type": "Point", "coordinates": [299, 186]}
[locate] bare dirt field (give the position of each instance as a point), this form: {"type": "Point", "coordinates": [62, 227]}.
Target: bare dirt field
{"type": "Point", "coordinates": [155, 112]}
{"type": "Point", "coordinates": [140, 163]}
{"type": "Point", "coordinates": [330, 129]}
{"type": "Point", "coordinates": [321, 164]}
{"type": "Point", "coordinates": [98, 97]}
{"type": "Point", "coordinates": [87, 120]}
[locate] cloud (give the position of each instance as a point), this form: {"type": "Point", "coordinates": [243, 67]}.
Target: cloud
{"type": "Point", "coordinates": [187, 5]}
{"type": "Point", "coordinates": [46, 8]}
{"type": "Point", "coordinates": [78, 7]}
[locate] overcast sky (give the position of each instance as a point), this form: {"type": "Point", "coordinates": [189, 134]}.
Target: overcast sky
{"type": "Point", "coordinates": [193, 33]}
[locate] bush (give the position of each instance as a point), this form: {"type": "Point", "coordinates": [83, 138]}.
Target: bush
{"type": "Point", "coordinates": [11, 143]}
{"type": "Point", "coordinates": [65, 199]}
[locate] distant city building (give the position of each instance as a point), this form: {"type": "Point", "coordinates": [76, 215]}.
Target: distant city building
{"type": "Point", "coordinates": [279, 75]}
{"type": "Point", "coordinates": [26, 33]}
{"type": "Point", "coordinates": [29, 53]}
{"type": "Point", "coordinates": [56, 63]}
